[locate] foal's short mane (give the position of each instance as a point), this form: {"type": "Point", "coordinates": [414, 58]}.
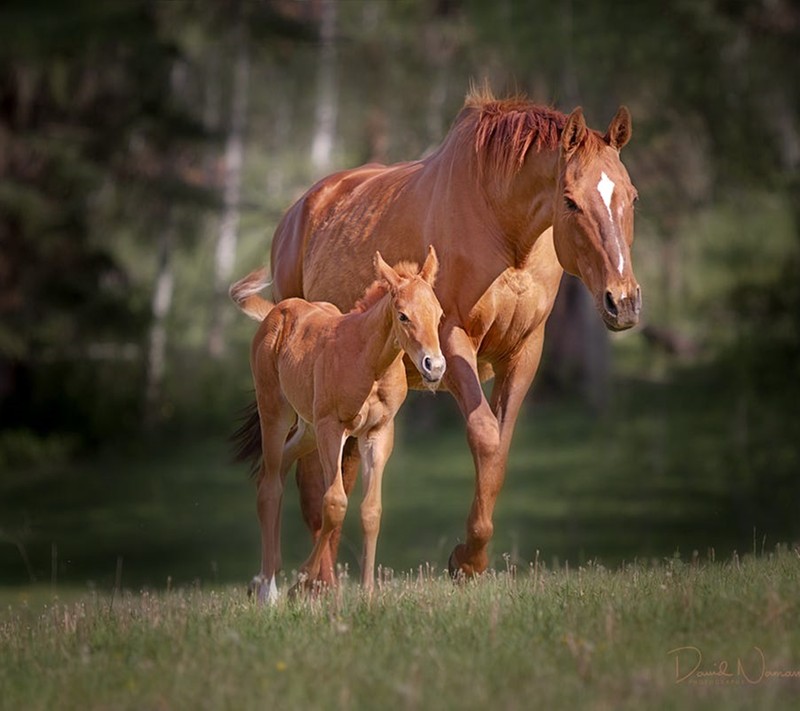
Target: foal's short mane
{"type": "Point", "coordinates": [505, 129]}
{"type": "Point", "coordinates": [378, 289]}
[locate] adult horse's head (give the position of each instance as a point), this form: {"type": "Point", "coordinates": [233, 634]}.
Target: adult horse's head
{"type": "Point", "coordinates": [593, 216]}
{"type": "Point", "coordinates": [416, 315]}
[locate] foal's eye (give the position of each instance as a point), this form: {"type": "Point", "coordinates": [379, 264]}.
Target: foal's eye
{"type": "Point", "coordinates": [403, 318]}
{"type": "Point", "coordinates": [572, 206]}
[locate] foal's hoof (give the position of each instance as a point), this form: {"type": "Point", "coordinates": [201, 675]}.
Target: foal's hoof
{"type": "Point", "coordinates": [306, 587]}
{"type": "Point", "coordinates": [301, 588]}
{"type": "Point", "coordinates": [265, 591]}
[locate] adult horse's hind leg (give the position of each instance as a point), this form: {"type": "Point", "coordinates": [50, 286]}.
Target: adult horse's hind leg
{"type": "Point", "coordinates": [311, 483]}
{"type": "Point", "coordinates": [301, 442]}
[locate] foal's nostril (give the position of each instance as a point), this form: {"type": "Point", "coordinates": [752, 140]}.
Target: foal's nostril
{"type": "Point", "coordinates": [427, 364]}
{"type": "Point", "coordinates": [638, 303]}
{"type": "Point", "coordinates": [610, 305]}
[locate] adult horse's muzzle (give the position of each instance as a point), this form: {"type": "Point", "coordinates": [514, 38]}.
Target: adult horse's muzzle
{"type": "Point", "coordinates": [432, 368]}
{"type": "Point", "coordinates": [621, 311]}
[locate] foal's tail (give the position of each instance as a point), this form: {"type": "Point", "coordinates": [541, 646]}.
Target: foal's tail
{"type": "Point", "coordinates": [245, 294]}
{"type": "Point", "coordinates": [247, 439]}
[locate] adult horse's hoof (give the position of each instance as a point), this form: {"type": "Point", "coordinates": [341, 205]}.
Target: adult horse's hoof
{"type": "Point", "coordinates": [453, 564]}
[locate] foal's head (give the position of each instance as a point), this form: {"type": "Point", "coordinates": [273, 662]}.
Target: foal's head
{"type": "Point", "coordinates": [416, 315]}
{"type": "Point", "coordinates": [593, 217]}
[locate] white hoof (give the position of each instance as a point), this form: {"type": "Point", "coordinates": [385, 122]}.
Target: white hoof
{"type": "Point", "coordinates": [266, 591]}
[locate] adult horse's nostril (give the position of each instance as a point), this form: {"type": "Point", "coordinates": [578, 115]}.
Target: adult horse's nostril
{"type": "Point", "coordinates": [610, 305]}
{"type": "Point", "coordinates": [638, 304]}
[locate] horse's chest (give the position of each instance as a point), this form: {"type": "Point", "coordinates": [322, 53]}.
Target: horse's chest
{"type": "Point", "coordinates": [514, 307]}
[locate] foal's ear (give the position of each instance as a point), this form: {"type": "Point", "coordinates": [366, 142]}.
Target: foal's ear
{"type": "Point", "coordinates": [385, 272]}
{"type": "Point", "coordinates": [575, 132]}
{"type": "Point", "coordinates": [619, 130]}
{"type": "Point", "coordinates": [431, 266]}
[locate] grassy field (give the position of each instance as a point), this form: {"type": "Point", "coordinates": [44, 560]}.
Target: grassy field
{"type": "Point", "coordinates": [537, 637]}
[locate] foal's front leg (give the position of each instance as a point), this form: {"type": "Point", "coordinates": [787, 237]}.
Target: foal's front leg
{"type": "Point", "coordinates": [330, 442]}
{"type": "Point", "coordinates": [375, 449]}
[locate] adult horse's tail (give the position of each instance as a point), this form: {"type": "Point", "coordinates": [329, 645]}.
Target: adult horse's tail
{"type": "Point", "coordinates": [247, 438]}
{"type": "Point", "coordinates": [245, 294]}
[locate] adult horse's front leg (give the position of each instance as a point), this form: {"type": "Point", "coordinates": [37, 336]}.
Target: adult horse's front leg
{"type": "Point", "coordinates": [489, 432]}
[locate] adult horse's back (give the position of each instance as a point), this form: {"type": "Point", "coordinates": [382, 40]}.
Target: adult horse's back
{"type": "Point", "coordinates": [515, 194]}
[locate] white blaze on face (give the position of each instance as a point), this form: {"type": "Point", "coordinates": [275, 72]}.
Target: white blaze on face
{"type": "Point", "coordinates": [606, 189]}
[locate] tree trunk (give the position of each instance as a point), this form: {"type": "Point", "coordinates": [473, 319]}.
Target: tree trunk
{"type": "Point", "coordinates": [225, 253]}
{"type": "Point", "coordinates": [160, 306]}
{"type": "Point", "coordinates": [325, 114]}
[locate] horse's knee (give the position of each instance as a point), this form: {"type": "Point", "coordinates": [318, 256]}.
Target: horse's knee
{"type": "Point", "coordinates": [334, 507]}
{"type": "Point", "coordinates": [483, 434]}
{"type": "Point", "coordinates": [481, 533]}
{"type": "Point", "coordinates": [371, 520]}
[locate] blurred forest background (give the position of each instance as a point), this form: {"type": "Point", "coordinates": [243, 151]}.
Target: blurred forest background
{"type": "Point", "coordinates": [148, 149]}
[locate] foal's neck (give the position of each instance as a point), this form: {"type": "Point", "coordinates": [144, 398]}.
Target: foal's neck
{"type": "Point", "coordinates": [379, 348]}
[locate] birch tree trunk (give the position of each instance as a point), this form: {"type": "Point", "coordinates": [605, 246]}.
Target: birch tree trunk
{"type": "Point", "coordinates": [160, 307]}
{"type": "Point", "coordinates": [225, 252]}
{"type": "Point", "coordinates": [327, 93]}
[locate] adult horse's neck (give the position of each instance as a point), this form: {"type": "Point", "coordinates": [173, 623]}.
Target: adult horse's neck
{"type": "Point", "coordinates": [506, 211]}
{"type": "Point", "coordinates": [524, 205]}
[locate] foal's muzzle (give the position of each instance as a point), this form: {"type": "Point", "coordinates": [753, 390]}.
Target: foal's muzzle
{"type": "Point", "coordinates": [432, 368]}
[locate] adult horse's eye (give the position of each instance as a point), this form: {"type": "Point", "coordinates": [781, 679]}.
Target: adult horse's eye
{"type": "Point", "coordinates": [403, 318]}
{"type": "Point", "coordinates": [572, 206]}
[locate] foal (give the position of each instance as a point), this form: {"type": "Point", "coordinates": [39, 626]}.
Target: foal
{"type": "Point", "coordinates": [322, 376]}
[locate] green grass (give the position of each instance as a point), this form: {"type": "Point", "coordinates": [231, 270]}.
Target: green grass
{"type": "Point", "coordinates": [537, 637]}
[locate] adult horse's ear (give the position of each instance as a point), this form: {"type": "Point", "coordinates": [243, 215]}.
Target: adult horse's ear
{"type": "Point", "coordinates": [431, 266]}
{"type": "Point", "coordinates": [385, 272]}
{"type": "Point", "coordinates": [619, 130]}
{"type": "Point", "coordinates": [575, 132]}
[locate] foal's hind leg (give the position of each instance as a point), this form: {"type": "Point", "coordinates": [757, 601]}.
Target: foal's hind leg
{"type": "Point", "coordinates": [276, 417]}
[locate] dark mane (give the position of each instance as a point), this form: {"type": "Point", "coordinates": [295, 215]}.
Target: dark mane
{"type": "Point", "coordinates": [378, 289]}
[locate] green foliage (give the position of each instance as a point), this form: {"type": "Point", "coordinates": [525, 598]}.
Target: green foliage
{"type": "Point", "coordinates": [23, 449]}
{"type": "Point", "coordinates": [566, 638]}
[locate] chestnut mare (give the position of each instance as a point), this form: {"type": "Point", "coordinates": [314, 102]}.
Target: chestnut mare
{"type": "Point", "coordinates": [321, 377]}
{"type": "Point", "coordinates": [515, 195]}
